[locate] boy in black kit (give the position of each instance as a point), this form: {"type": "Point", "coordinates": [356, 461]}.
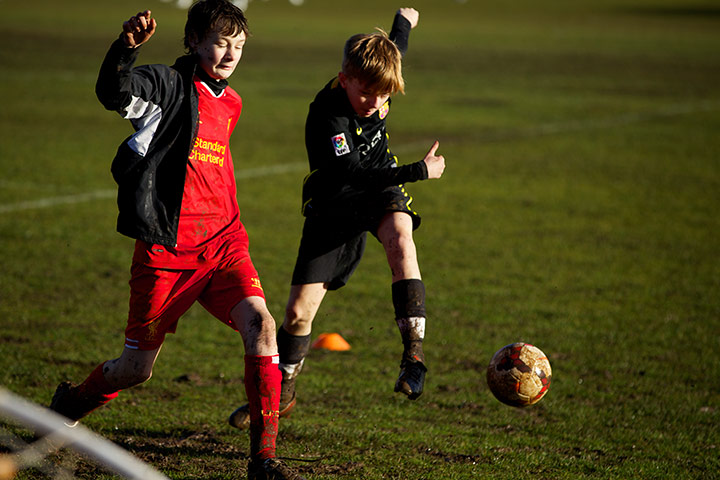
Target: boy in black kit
{"type": "Point", "coordinates": [355, 186]}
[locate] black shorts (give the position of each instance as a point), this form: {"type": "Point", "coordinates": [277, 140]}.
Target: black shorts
{"type": "Point", "coordinates": [331, 246]}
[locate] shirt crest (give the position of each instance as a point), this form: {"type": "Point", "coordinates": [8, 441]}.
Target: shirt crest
{"type": "Point", "coordinates": [383, 111]}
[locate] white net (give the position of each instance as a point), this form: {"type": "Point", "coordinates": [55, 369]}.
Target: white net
{"type": "Point", "coordinates": [52, 434]}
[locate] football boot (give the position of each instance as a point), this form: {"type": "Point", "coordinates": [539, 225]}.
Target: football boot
{"type": "Point", "coordinates": [412, 378]}
{"type": "Point", "coordinates": [66, 402]}
{"type": "Point", "coordinates": [271, 469]}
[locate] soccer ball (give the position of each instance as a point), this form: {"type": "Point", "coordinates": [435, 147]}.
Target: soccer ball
{"type": "Point", "coordinates": [519, 374]}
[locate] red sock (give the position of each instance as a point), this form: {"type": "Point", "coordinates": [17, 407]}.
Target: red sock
{"type": "Point", "coordinates": [262, 386]}
{"type": "Point", "coordinates": [95, 391]}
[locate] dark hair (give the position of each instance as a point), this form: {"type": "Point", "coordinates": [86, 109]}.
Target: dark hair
{"type": "Point", "coordinates": [206, 16]}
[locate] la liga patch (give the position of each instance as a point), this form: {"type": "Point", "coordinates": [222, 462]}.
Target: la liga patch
{"type": "Point", "coordinates": [340, 145]}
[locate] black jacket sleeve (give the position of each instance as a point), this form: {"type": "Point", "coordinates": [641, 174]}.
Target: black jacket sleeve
{"type": "Point", "coordinates": [135, 91]}
{"type": "Point", "coordinates": [400, 33]}
{"type": "Point", "coordinates": [350, 172]}
{"type": "Point", "coordinates": [113, 87]}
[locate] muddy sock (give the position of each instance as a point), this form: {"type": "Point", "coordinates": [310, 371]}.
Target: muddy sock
{"type": "Point", "coordinates": [409, 302]}
{"type": "Point", "coordinates": [96, 385]}
{"type": "Point", "coordinates": [412, 331]}
{"type": "Point", "coordinates": [293, 350]}
{"type": "Point", "coordinates": [262, 386]}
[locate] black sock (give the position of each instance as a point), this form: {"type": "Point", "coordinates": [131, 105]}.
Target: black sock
{"type": "Point", "coordinates": [409, 302]}
{"type": "Point", "coordinates": [292, 348]}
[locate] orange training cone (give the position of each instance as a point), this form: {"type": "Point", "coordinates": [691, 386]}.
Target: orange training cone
{"type": "Point", "coordinates": [331, 341]}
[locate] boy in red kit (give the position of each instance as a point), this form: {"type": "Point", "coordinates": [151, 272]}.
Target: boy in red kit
{"type": "Point", "coordinates": [177, 198]}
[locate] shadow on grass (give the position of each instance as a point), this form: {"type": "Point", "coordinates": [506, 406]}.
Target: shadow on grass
{"type": "Point", "coordinates": [183, 442]}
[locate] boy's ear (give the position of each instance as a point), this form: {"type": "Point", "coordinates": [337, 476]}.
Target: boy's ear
{"type": "Point", "coordinates": [342, 78]}
{"type": "Point", "coordinates": [193, 42]}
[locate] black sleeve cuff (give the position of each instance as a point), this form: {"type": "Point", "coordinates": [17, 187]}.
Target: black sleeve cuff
{"type": "Point", "coordinates": [423, 168]}
{"type": "Point", "coordinates": [123, 53]}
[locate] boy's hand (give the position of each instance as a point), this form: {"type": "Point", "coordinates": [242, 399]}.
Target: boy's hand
{"type": "Point", "coordinates": [138, 29]}
{"type": "Point", "coordinates": [411, 15]}
{"type": "Point", "coordinates": [435, 163]}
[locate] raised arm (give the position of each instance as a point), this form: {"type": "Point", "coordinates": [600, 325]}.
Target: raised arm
{"type": "Point", "coordinates": [411, 15]}
{"type": "Point", "coordinates": [405, 20]}
{"type": "Point", "coordinates": [138, 29]}
{"type": "Point", "coordinates": [117, 87]}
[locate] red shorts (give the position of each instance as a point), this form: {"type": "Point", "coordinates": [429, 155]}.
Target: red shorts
{"type": "Point", "coordinates": [160, 296]}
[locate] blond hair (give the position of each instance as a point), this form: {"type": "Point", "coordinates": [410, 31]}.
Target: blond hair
{"type": "Point", "coordinates": [376, 61]}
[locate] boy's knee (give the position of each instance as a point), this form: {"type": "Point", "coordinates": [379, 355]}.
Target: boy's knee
{"type": "Point", "coordinates": [398, 239]}
{"type": "Point", "coordinates": [297, 316]}
{"type": "Point", "coordinates": [406, 243]}
{"type": "Point", "coordinates": [257, 328]}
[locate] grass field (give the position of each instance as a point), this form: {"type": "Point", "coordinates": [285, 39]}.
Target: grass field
{"type": "Point", "coordinates": [578, 212]}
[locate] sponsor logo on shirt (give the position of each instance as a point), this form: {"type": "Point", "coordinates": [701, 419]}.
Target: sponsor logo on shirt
{"type": "Point", "coordinates": [364, 149]}
{"type": "Point", "coordinates": [340, 145]}
{"type": "Point", "coordinates": [208, 151]}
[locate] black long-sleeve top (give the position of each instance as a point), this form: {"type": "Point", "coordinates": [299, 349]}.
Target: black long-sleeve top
{"type": "Point", "coordinates": [350, 160]}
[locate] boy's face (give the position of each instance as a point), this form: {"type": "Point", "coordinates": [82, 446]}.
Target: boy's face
{"type": "Point", "coordinates": [364, 102]}
{"type": "Point", "coordinates": [219, 54]}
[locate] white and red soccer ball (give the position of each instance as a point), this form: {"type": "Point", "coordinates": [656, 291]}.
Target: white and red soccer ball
{"type": "Point", "coordinates": [519, 374]}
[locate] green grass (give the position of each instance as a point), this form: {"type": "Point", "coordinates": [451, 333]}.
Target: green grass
{"type": "Point", "coordinates": [578, 212]}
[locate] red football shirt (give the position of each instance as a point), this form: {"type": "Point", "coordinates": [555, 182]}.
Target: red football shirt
{"type": "Point", "coordinates": [209, 217]}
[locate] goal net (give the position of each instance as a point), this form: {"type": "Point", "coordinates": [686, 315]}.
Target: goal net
{"type": "Point", "coordinates": [52, 434]}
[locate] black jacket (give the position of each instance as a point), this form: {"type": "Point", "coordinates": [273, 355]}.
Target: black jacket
{"type": "Point", "coordinates": [162, 104]}
{"type": "Point", "coordinates": [350, 160]}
